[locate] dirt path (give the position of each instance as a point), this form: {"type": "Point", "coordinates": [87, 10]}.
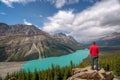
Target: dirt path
{"type": "Point", "coordinates": [10, 67]}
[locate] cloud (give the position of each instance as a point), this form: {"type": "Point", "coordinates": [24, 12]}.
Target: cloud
{"type": "Point", "coordinates": [2, 13]}
{"type": "Point", "coordinates": [57, 3]}
{"type": "Point", "coordinates": [26, 22]}
{"type": "Point", "coordinates": [97, 21]}
{"type": "Point", "coordinates": [10, 2]}
{"type": "Point", "coordinates": [40, 16]}
{"type": "Point", "coordinates": [61, 3]}
{"type": "Point", "coordinates": [60, 21]}
{"type": "Point", "coordinates": [91, 1]}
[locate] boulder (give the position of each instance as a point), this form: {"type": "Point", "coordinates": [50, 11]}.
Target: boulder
{"type": "Point", "coordinates": [88, 74]}
{"type": "Point", "coordinates": [12, 78]}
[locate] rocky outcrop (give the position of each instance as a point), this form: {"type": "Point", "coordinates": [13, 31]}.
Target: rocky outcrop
{"type": "Point", "coordinates": [89, 74]}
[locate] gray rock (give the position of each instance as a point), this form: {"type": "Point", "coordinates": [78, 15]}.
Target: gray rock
{"type": "Point", "coordinates": [88, 74]}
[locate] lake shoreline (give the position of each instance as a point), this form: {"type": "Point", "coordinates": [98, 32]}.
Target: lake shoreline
{"type": "Point", "coordinates": [61, 61]}
{"type": "Point", "coordinates": [10, 67]}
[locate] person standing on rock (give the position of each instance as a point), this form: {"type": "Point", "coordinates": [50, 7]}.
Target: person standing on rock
{"type": "Point", "coordinates": [94, 53]}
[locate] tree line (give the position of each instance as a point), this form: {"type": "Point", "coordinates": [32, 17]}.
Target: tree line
{"type": "Point", "coordinates": [107, 61]}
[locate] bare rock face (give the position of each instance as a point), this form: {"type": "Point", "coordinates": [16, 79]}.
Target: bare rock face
{"type": "Point", "coordinates": [89, 74]}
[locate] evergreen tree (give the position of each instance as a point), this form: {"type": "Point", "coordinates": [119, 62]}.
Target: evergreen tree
{"type": "Point", "coordinates": [107, 61]}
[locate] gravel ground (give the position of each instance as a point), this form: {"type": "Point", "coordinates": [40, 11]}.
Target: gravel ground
{"type": "Point", "coordinates": [10, 67]}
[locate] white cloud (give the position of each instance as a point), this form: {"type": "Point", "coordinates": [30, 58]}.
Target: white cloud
{"type": "Point", "coordinates": [2, 13]}
{"type": "Point", "coordinates": [40, 16]}
{"type": "Point", "coordinates": [61, 3]}
{"type": "Point", "coordinates": [60, 21]}
{"type": "Point", "coordinates": [91, 1]}
{"type": "Point", "coordinates": [26, 22]}
{"type": "Point", "coordinates": [101, 19]}
{"type": "Point", "coordinates": [10, 2]}
{"type": "Point", "coordinates": [57, 3]}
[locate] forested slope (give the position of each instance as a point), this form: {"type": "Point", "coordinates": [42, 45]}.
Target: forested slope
{"type": "Point", "coordinates": [108, 60]}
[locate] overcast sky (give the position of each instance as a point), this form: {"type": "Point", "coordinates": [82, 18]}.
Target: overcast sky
{"type": "Point", "coordinates": [85, 20]}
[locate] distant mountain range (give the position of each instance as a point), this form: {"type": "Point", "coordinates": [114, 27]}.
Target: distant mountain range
{"type": "Point", "coordinates": [26, 42]}
{"type": "Point", "coordinates": [110, 40]}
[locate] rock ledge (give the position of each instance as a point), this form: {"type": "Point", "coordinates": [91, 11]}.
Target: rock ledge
{"type": "Point", "coordinates": [88, 74]}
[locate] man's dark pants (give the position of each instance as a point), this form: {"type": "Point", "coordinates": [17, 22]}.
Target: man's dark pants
{"type": "Point", "coordinates": [94, 58]}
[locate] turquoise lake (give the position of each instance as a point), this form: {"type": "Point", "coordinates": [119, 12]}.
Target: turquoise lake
{"type": "Point", "coordinates": [43, 64]}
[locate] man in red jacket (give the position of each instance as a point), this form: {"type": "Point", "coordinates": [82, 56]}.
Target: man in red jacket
{"type": "Point", "coordinates": [94, 53]}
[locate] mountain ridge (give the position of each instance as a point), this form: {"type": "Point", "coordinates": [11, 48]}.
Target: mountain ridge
{"type": "Point", "coordinates": [26, 42]}
{"type": "Point", "coordinates": [110, 40]}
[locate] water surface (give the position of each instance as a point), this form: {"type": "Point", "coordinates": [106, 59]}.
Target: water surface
{"type": "Point", "coordinates": [43, 64]}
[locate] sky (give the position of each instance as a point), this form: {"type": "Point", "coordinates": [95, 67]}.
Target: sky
{"type": "Point", "coordinates": [85, 20]}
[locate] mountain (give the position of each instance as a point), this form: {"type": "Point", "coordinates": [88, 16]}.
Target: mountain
{"type": "Point", "coordinates": [26, 42]}
{"type": "Point", "coordinates": [110, 40]}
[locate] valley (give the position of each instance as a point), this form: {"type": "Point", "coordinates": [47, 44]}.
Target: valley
{"type": "Point", "coordinates": [21, 43]}
{"type": "Point", "coordinates": [26, 42]}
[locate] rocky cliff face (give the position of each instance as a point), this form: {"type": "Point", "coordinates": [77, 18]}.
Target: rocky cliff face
{"type": "Point", "coordinates": [26, 42]}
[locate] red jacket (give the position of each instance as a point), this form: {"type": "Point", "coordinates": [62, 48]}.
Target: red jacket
{"type": "Point", "coordinates": [94, 50]}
